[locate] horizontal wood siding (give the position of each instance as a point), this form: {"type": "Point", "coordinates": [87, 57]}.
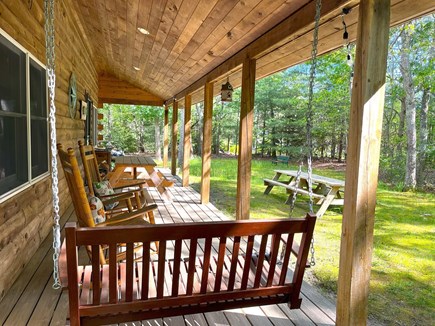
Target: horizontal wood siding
{"type": "Point", "coordinates": [26, 218]}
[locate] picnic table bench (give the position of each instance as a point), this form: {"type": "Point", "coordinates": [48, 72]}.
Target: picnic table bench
{"type": "Point", "coordinates": [326, 191]}
{"type": "Point", "coordinates": [281, 159]}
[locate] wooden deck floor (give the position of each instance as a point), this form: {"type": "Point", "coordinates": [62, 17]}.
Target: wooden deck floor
{"type": "Point", "coordinates": [32, 301]}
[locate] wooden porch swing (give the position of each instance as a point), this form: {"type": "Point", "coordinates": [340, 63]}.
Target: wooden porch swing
{"type": "Point", "coordinates": [200, 267]}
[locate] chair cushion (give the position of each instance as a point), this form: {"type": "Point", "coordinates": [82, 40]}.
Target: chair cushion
{"type": "Point", "coordinates": [97, 209]}
{"type": "Point", "coordinates": [104, 188]}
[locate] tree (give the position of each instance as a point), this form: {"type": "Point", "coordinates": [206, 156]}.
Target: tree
{"type": "Point", "coordinates": [133, 128]}
{"type": "Point", "coordinates": [409, 102]}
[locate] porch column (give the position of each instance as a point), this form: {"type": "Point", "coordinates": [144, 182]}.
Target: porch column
{"type": "Point", "coordinates": [245, 140]}
{"type": "Point", "coordinates": [166, 138]}
{"type": "Point", "coordinates": [365, 128]}
{"type": "Point", "coordinates": [206, 143]}
{"type": "Point", "coordinates": [174, 137]}
{"type": "Point", "coordinates": [187, 141]}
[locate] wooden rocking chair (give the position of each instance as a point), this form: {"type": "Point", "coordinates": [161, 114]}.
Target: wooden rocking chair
{"type": "Point", "coordinates": [92, 175]}
{"type": "Point", "coordinates": [81, 205]}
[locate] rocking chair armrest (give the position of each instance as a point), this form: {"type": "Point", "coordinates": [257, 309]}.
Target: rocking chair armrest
{"type": "Point", "coordinates": [136, 183]}
{"type": "Point", "coordinates": [108, 199]}
{"type": "Point", "coordinates": [130, 217]}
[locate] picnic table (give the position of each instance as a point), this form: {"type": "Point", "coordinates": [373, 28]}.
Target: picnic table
{"type": "Point", "coordinates": [326, 191]}
{"type": "Point", "coordinates": [156, 178]}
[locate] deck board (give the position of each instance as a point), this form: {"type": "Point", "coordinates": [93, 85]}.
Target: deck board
{"type": "Point", "coordinates": [23, 291]}
{"type": "Point", "coordinates": [31, 300]}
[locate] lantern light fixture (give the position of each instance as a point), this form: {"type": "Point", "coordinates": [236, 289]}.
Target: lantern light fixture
{"type": "Point", "coordinates": [227, 91]}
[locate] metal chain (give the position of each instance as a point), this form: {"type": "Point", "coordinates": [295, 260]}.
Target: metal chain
{"type": "Point", "coordinates": [295, 193]}
{"type": "Point", "coordinates": [309, 142]}
{"type": "Point", "coordinates": [310, 116]}
{"type": "Point", "coordinates": [310, 100]}
{"type": "Point", "coordinates": [50, 54]}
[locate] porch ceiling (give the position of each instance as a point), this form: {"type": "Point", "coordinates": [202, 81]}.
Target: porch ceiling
{"type": "Point", "coordinates": [192, 41]}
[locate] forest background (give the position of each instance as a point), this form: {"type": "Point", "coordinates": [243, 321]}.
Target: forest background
{"type": "Point", "coordinates": [407, 154]}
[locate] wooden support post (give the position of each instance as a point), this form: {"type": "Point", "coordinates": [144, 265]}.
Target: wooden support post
{"type": "Point", "coordinates": [174, 138]}
{"type": "Point", "coordinates": [166, 138]}
{"type": "Point", "coordinates": [187, 140]}
{"type": "Point", "coordinates": [245, 140]}
{"type": "Point", "coordinates": [362, 161]}
{"type": "Point", "coordinates": [206, 143]}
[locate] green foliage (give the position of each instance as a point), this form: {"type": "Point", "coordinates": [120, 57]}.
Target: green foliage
{"type": "Point", "coordinates": [226, 122]}
{"type": "Point", "coordinates": [130, 127]}
{"type": "Point", "coordinates": [403, 262]}
{"type": "Point", "coordinates": [394, 142]}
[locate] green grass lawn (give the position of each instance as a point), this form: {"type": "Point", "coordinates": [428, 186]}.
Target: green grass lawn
{"type": "Point", "coordinates": [403, 267]}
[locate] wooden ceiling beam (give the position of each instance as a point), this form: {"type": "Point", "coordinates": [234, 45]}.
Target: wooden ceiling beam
{"type": "Point", "coordinates": [112, 90]}
{"type": "Point", "coordinates": [295, 25]}
{"type": "Point", "coordinates": [279, 48]}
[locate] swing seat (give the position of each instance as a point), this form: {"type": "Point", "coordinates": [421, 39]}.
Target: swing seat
{"type": "Point", "coordinates": [200, 267]}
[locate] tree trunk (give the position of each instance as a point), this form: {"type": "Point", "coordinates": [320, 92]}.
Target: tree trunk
{"type": "Point", "coordinates": [157, 137]}
{"type": "Point", "coordinates": [218, 137]}
{"type": "Point", "coordinates": [274, 140]}
{"type": "Point", "coordinates": [181, 139]}
{"type": "Point", "coordinates": [400, 131]}
{"type": "Point", "coordinates": [411, 152]}
{"type": "Point", "coordinates": [199, 109]}
{"type": "Point", "coordinates": [340, 146]}
{"type": "Point", "coordinates": [236, 149]}
{"type": "Point", "coordinates": [333, 144]}
{"type": "Point", "coordinates": [423, 136]}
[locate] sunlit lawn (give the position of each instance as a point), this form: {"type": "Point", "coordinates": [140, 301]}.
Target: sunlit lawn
{"type": "Point", "coordinates": [403, 269]}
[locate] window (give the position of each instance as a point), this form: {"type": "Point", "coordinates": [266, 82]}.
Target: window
{"type": "Point", "coordinates": [23, 118]}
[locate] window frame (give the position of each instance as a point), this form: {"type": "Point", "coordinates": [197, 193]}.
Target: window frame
{"type": "Point", "coordinates": [31, 181]}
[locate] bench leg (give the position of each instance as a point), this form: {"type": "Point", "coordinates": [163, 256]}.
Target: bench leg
{"type": "Point", "coordinates": [327, 201]}
{"type": "Point", "coordinates": [289, 199]}
{"type": "Point", "coordinates": [269, 187]}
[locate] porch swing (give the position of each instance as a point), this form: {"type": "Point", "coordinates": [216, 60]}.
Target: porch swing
{"type": "Point", "coordinates": [207, 279]}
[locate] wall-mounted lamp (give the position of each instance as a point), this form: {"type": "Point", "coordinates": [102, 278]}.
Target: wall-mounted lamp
{"type": "Point", "coordinates": [227, 91]}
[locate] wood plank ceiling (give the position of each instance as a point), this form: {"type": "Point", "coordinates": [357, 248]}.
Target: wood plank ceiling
{"type": "Point", "coordinates": [189, 38]}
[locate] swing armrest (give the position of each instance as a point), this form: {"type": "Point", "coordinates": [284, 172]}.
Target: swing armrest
{"type": "Point", "coordinates": [63, 275]}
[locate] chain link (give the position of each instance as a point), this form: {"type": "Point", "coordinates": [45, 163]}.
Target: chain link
{"type": "Point", "coordinates": [309, 142]}
{"type": "Point", "coordinates": [295, 193]}
{"type": "Point", "coordinates": [50, 54]}
{"type": "Point", "coordinates": [310, 116]}
{"type": "Point", "coordinates": [310, 101]}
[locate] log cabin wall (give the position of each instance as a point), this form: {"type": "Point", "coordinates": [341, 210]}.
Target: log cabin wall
{"type": "Point", "coordinates": [26, 218]}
